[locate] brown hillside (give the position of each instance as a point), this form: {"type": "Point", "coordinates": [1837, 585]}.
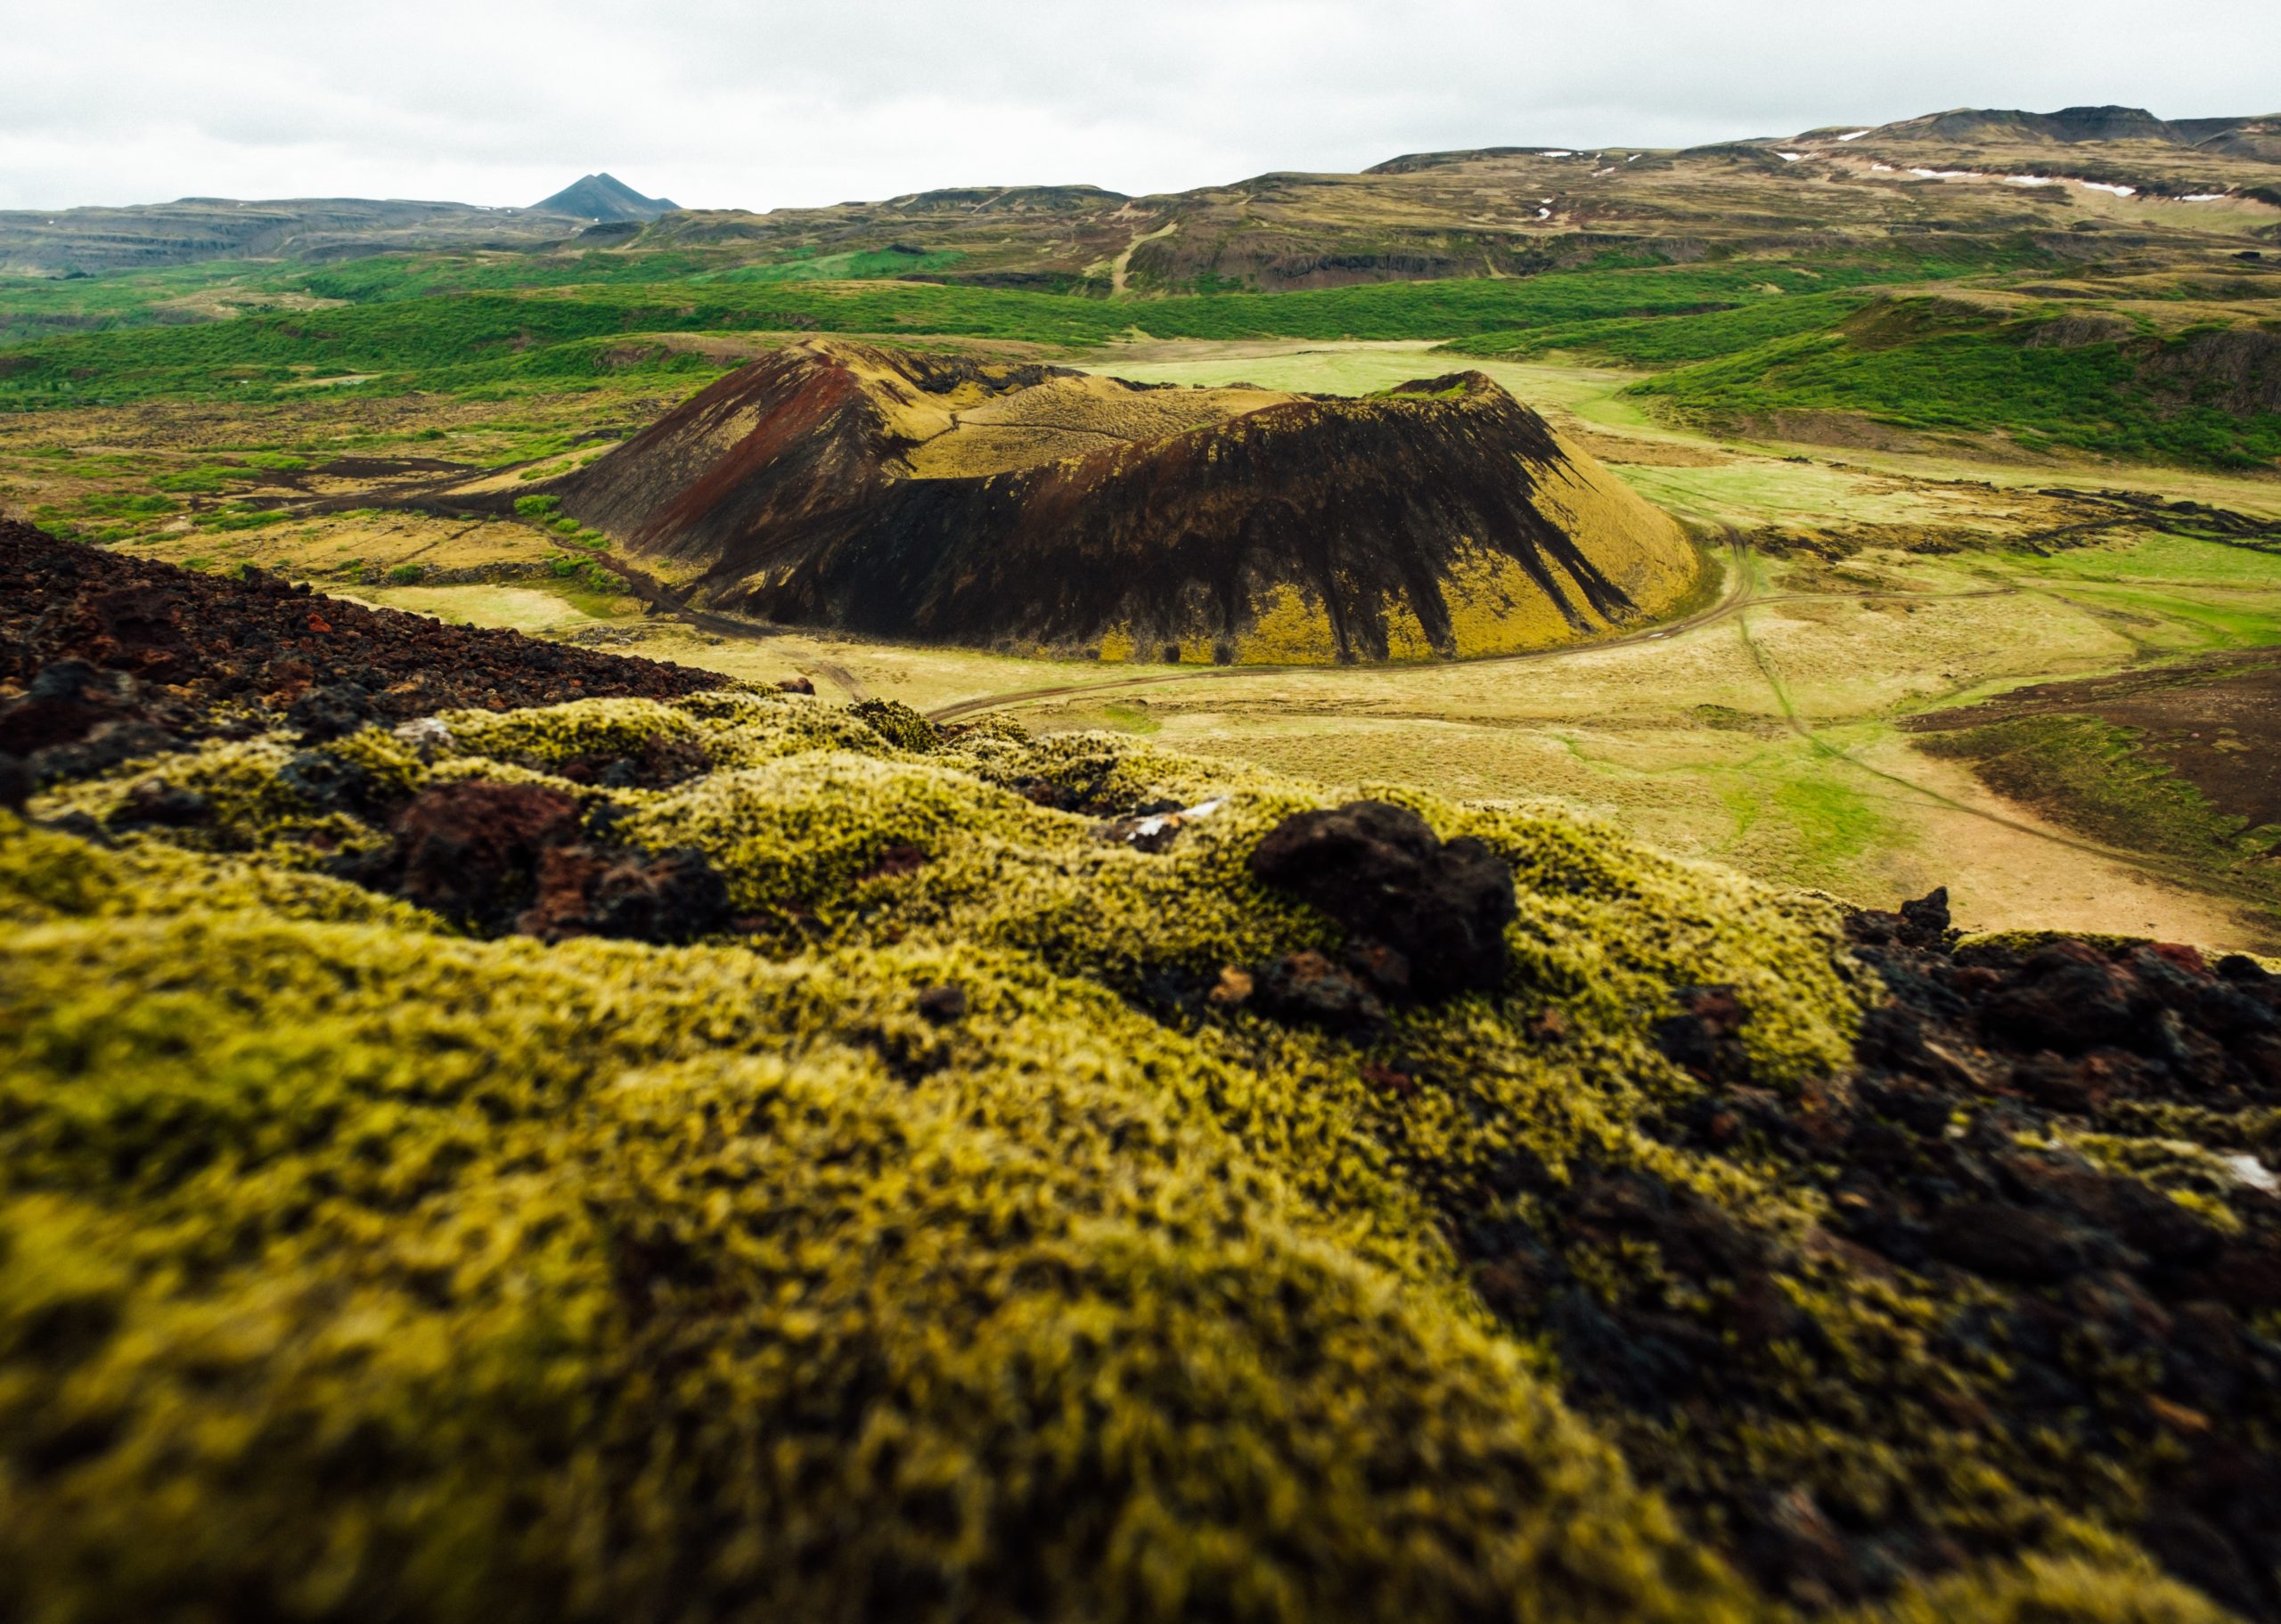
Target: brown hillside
{"type": "Point", "coordinates": [943, 499]}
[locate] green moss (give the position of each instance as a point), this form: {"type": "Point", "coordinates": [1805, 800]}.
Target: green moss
{"type": "Point", "coordinates": [898, 724]}
{"type": "Point", "coordinates": [2107, 1588]}
{"type": "Point", "coordinates": [46, 877]}
{"type": "Point", "coordinates": [561, 733]}
{"type": "Point", "coordinates": [448, 1221]}
{"type": "Point", "coordinates": [349, 1266]}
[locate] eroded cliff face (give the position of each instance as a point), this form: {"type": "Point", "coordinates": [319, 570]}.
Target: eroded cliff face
{"type": "Point", "coordinates": [945, 500]}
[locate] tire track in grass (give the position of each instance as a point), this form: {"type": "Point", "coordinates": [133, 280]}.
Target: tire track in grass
{"type": "Point", "coordinates": [2156, 867]}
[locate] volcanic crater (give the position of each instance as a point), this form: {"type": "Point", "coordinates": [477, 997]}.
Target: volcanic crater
{"type": "Point", "coordinates": [945, 499]}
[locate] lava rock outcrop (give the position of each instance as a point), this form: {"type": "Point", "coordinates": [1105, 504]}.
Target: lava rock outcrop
{"type": "Point", "coordinates": [105, 657]}
{"type": "Point", "coordinates": [943, 499]}
{"type": "Point", "coordinates": [1424, 918]}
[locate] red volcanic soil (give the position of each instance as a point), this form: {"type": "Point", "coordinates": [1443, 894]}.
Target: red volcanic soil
{"type": "Point", "coordinates": [104, 656]}
{"type": "Point", "coordinates": [800, 489]}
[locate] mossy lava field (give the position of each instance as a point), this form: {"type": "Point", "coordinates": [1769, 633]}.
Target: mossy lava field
{"type": "Point", "coordinates": [710, 1153]}
{"type": "Point", "coordinates": [1538, 886]}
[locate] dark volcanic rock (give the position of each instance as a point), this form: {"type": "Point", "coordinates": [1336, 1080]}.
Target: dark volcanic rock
{"type": "Point", "coordinates": [942, 1006]}
{"type": "Point", "coordinates": [1308, 988]}
{"type": "Point", "coordinates": [498, 857]}
{"type": "Point", "coordinates": [2067, 998]}
{"type": "Point", "coordinates": [471, 850]}
{"type": "Point", "coordinates": [2015, 1148]}
{"type": "Point", "coordinates": [104, 657]}
{"type": "Point", "coordinates": [331, 711]}
{"type": "Point", "coordinates": [1706, 1036]}
{"type": "Point", "coordinates": [158, 804]}
{"type": "Point", "coordinates": [1382, 873]}
{"type": "Point", "coordinates": [597, 891]}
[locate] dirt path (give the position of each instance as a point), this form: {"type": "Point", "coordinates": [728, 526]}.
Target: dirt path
{"type": "Point", "coordinates": [2151, 877]}
{"type": "Point", "coordinates": [2154, 881]}
{"type": "Point", "coordinates": [1121, 266]}
{"type": "Point", "coordinates": [1738, 593]}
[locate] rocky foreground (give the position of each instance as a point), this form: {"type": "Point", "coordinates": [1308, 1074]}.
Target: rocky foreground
{"type": "Point", "coordinates": [473, 1151]}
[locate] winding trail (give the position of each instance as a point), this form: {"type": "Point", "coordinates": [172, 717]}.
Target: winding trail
{"type": "Point", "coordinates": [1740, 592]}
{"type": "Point", "coordinates": [1740, 595]}
{"type": "Point", "coordinates": [1120, 268]}
{"type": "Point", "coordinates": [2175, 873]}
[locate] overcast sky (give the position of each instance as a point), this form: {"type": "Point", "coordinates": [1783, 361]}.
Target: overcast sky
{"type": "Point", "coordinates": [760, 104]}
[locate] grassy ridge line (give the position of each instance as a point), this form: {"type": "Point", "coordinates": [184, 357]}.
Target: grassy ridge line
{"type": "Point", "coordinates": [475, 339]}
{"type": "Point", "coordinates": [397, 277]}
{"type": "Point", "coordinates": [1911, 365]}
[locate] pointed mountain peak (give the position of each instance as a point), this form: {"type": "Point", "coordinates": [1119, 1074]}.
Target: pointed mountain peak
{"type": "Point", "coordinates": [604, 198]}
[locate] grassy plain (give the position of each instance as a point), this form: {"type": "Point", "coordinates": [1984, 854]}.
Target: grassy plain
{"type": "Point", "coordinates": [1888, 575]}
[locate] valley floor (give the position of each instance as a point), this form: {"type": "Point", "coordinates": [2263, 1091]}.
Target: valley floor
{"type": "Point", "coordinates": [1865, 587]}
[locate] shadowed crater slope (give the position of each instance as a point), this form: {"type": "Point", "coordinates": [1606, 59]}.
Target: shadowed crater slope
{"type": "Point", "coordinates": [943, 499]}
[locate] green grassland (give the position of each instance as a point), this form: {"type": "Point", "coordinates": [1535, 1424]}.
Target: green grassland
{"type": "Point", "coordinates": [1670, 341]}
{"type": "Point", "coordinates": [465, 323]}
{"type": "Point", "coordinates": [1732, 344]}
{"type": "Point", "coordinates": [33, 308]}
{"type": "Point", "coordinates": [1932, 364]}
{"type": "Point", "coordinates": [1768, 742]}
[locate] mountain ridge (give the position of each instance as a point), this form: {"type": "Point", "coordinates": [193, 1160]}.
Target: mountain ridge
{"type": "Point", "coordinates": [1490, 211]}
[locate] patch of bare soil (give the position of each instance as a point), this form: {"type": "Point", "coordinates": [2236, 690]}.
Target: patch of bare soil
{"type": "Point", "coordinates": [2215, 723]}
{"type": "Point", "coordinates": [1848, 429]}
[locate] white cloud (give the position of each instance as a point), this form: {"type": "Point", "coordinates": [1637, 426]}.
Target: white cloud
{"type": "Point", "coordinates": [765, 104]}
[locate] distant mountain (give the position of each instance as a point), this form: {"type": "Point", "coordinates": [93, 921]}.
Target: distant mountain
{"type": "Point", "coordinates": [1488, 211]}
{"type": "Point", "coordinates": [189, 231]}
{"type": "Point", "coordinates": [2247, 137]}
{"type": "Point", "coordinates": [603, 198]}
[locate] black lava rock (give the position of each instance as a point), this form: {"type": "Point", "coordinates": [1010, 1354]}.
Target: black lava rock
{"type": "Point", "coordinates": [669, 897]}
{"type": "Point", "coordinates": [159, 804]}
{"type": "Point", "coordinates": [941, 1006]}
{"type": "Point", "coordinates": [1381, 872]}
{"type": "Point", "coordinates": [1309, 989]}
{"type": "Point", "coordinates": [471, 850]}
{"type": "Point", "coordinates": [330, 712]}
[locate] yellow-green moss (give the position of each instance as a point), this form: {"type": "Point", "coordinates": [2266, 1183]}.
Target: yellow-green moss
{"type": "Point", "coordinates": [350, 1266]}
{"type": "Point", "coordinates": [458, 1278]}
{"type": "Point", "coordinates": [2109, 1589]}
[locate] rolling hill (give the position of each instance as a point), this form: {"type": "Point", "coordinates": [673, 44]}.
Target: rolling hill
{"type": "Point", "coordinates": [194, 231]}
{"type": "Point", "coordinates": [2180, 187]}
